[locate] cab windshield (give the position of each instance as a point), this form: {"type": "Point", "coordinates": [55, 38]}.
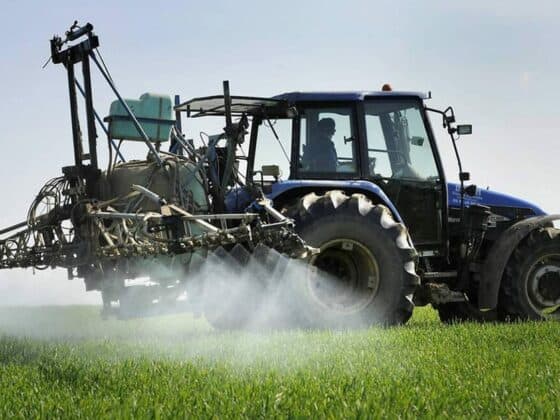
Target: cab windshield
{"type": "Point", "coordinates": [397, 141]}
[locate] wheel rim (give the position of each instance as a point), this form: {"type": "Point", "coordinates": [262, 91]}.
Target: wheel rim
{"type": "Point", "coordinates": [543, 286]}
{"type": "Point", "coordinates": [344, 276]}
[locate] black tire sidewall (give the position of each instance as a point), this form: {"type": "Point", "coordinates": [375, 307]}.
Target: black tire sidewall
{"type": "Point", "coordinates": [366, 230]}
{"type": "Point", "coordinates": [521, 286]}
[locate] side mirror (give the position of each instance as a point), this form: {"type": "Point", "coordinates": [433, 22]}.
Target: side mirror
{"type": "Point", "coordinates": [417, 141]}
{"type": "Point", "coordinates": [464, 129]}
{"type": "Point", "coordinates": [271, 170]}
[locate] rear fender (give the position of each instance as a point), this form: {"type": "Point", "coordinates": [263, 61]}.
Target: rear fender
{"type": "Point", "coordinates": [286, 190]}
{"type": "Point", "coordinates": [499, 254]}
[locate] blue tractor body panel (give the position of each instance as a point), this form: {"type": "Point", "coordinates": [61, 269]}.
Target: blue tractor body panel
{"type": "Point", "coordinates": [488, 198]}
{"type": "Point", "coordinates": [281, 187]}
{"type": "Point", "coordinates": [238, 199]}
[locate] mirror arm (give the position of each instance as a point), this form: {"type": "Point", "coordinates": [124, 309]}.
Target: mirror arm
{"type": "Point", "coordinates": [462, 175]}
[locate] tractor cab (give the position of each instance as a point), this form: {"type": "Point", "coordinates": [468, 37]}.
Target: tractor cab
{"type": "Point", "coordinates": [383, 138]}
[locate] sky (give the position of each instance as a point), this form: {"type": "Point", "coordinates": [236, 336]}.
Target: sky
{"type": "Point", "coordinates": [496, 62]}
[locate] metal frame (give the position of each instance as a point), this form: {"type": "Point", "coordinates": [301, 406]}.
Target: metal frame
{"type": "Point", "coordinates": [69, 57]}
{"type": "Point", "coordinates": [42, 243]}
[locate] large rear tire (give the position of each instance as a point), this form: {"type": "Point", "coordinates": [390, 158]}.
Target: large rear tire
{"type": "Point", "coordinates": [365, 273]}
{"type": "Point", "coordinates": [530, 288]}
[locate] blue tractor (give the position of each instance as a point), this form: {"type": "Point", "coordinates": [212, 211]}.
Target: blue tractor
{"type": "Point", "coordinates": [361, 176]}
{"type": "Point", "coordinates": [351, 183]}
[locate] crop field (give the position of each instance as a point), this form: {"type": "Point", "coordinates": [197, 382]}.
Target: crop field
{"type": "Point", "coordinates": [67, 362]}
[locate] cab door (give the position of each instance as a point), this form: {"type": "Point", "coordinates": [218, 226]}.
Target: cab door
{"type": "Point", "coordinates": [401, 160]}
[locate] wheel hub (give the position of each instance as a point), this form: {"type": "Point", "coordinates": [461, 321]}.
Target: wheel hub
{"type": "Point", "coordinates": [545, 285]}
{"type": "Point", "coordinates": [344, 277]}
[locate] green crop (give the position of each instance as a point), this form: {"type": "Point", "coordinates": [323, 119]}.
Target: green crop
{"type": "Point", "coordinates": [67, 362]}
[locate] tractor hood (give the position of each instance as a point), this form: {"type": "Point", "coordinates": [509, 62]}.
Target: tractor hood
{"type": "Point", "coordinates": [493, 199]}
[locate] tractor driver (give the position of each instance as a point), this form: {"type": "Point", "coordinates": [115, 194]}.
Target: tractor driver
{"type": "Point", "coordinates": [320, 153]}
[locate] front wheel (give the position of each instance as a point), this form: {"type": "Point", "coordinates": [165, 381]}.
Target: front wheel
{"type": "Point", "coordinates": [531, 284]}
{"type": "Point", "coordinates": [365, 272]}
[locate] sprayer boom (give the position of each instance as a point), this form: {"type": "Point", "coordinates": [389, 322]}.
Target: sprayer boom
{"type": "Point", "coordinates": [107, 234]}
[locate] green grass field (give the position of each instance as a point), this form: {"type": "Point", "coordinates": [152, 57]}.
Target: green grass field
{"type": "Point", "coordinates": [67, 362]}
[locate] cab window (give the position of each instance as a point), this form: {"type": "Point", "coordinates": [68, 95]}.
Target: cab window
{"type": "Point", "coordinates": [398, 144]}
{"type": "Point", "coordinates": [273, 146]}
{"type": "Point", "coordinates": [327, 141]}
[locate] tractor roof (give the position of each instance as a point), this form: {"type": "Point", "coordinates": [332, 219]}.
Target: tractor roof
{"type": "Point", "coordinates": [293, 97]}
{"type": "Point", "coordinates": [215, 105]}
{"type": "Point", "coordinates": [278, 106]}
